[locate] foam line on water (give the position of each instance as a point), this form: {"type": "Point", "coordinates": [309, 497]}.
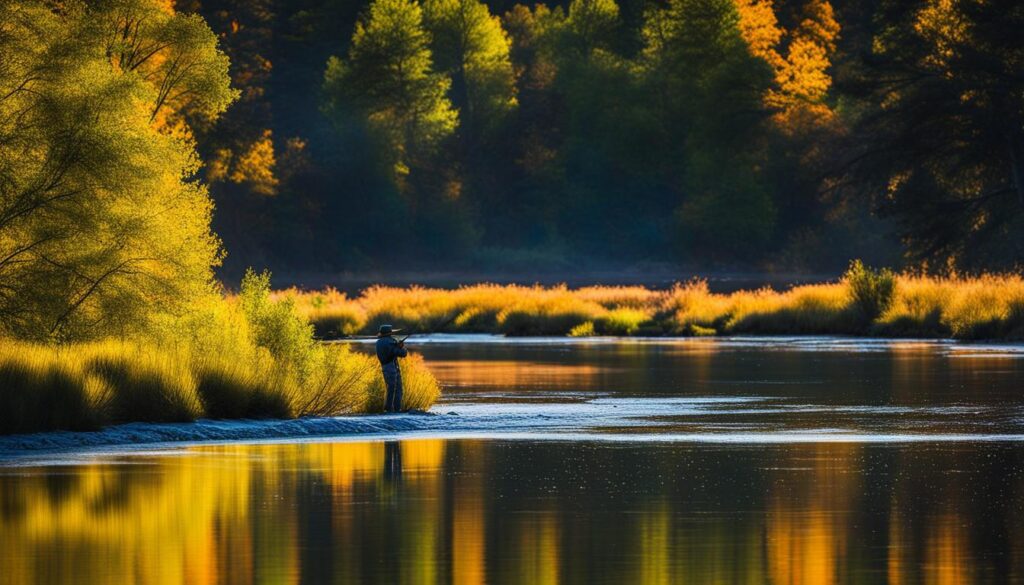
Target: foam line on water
{"type": "Point", "coordinates": [706, 419]}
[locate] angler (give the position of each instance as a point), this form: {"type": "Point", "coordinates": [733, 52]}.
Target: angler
{"type": "Point", "coordinates": [389, 350]}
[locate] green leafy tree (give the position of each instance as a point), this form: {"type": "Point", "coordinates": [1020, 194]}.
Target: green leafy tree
{"type": "Point", "coordinates": [101, 227]}
{"type": "Point", "coordinates": [591, 24]}
{"type": "Point", "coordinates": [388, 77]}
{"type": "Point", "coordinates": [469, 45]}
{"type": "Point", "coordinates": [709, 90]}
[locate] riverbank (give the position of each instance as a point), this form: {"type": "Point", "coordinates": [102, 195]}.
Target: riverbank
{"type": "Point", "coordinates": [89, 386]}
{"type": "Point", "coordinates": [244, 357]}
{"type": "Point", "coordinates": [863, 302]}
{"type": "Point", "coordinates": [737, 390]}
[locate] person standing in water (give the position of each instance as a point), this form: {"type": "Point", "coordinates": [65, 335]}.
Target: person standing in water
{"type": "Point", "coordinates": [389, 350]}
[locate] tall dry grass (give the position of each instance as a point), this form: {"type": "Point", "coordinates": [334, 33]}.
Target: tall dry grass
{"type": "Point", "coordinates": [87, 386]}
{"type": "Point", "coordinates": [863, 302]}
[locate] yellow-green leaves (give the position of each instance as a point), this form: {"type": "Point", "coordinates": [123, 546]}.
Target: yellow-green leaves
{"type": "Point", "coordinates": [470, 45]}
{"type": "Point", "coordinates": [175, 54]}
{"type": "Point", "coordinates": [102, 228]}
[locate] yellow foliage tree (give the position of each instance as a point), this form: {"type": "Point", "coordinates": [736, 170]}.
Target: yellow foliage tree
{"type": "Point", "coordinates": [801, 58]}
{"type": "Point", "coordinates": [388, 77]}
{"type": "Point", "coordinates": [255, 166]}
{"type": "Point", "coordinates": [101, 229]}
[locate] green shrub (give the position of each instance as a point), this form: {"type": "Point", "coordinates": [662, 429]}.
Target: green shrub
{"type": "Point", "coordinates": [583, 330]}
{"type": "Point", "coordinates": [622, 321]}
{"type": "Point", "coordinates": [871, 291]}
{"type": "Point", "coordinates": [698, 331]}
{"type": "Point", "coordinates": [278, 327]}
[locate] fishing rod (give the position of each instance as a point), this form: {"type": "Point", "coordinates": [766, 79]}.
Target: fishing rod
{"type": "Point", "coordinates": [432, 329]}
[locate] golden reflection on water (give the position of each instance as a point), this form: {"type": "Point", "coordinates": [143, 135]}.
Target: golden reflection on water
{"type": "Point", "coordinates": [807, 544]}
{"type": "Point", "coordinates": [418, 512]}
{"type": "Point", "coordinates": [512, 374]}
{"type": "Point", "coordinates": [189, 518]}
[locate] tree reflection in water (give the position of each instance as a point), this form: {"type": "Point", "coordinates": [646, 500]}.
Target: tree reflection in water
{"type": "Point", "coordinates": [426, 511]}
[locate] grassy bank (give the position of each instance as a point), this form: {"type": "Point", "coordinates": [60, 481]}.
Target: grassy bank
{"type": "Point", "coordinates": [863, 302]}
{"type": "Point", "coordinates": [245, 357]}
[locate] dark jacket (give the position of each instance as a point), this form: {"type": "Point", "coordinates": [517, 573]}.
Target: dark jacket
{"type": "Point", "coordinates": [388, 350]}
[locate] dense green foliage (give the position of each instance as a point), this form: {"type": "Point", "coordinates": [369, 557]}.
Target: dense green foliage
{"type": "Point", "coordinates": [462, 134]}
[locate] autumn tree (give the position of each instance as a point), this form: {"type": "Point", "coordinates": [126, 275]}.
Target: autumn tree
{"type": "Point", "coordinates": [239, 150]}
{"type": "Point", "coordinates": [102, 227]}
{"type": "Point", "coordinates": [389, 78]}
{"type": "Point", "coordinates": [938, 140]}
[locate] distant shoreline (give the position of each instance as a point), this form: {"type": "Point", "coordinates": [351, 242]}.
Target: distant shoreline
{"type": "Point", "coordinates": [863, 302]}
{"type": "Point", "coordinates": [658, 279]}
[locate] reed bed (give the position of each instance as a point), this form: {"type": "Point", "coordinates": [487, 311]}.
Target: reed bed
{"type": "Point", "coordinates": [249, 356]}
{"type": "Point", "coordinates": [862, 302]}
{"type": "Point", "coordinates": [87, 386]}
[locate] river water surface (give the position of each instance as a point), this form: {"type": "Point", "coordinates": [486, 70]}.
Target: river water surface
{"type": "Point", "coordinates": [783, 461]}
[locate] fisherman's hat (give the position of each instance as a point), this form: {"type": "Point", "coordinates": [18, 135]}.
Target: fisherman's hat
{"type": "Point", "coordinates": [386, 330]}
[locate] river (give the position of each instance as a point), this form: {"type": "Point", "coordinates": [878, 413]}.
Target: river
{"type": "Point", "coordinates": [743, 460]}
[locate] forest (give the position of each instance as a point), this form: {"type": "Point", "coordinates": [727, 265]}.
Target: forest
{"type": "Point", "coordinates": [152, 151]}
{"type": "Point", "coordinates": [712, 134]}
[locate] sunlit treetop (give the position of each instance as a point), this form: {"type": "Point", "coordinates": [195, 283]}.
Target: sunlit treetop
{"type": "Point", "coordinates": [592, 23]}
{"type": "Point", "coordinates": [389, 77]}
{"type": "Point", "coordinates": [101, 226]}
{"type": "Point", "coordinates": [761, 29]}
{"type": "Point", "coordinates": [470, 45]}
{"type": "Point", "coordinates": [801, 58]}
{"type": "Point", "coordinates": [176, 54]}
{"type": "Point", "coordinates": [944, 28]}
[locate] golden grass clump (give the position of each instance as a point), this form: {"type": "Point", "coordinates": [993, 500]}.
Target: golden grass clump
{"type": "Point", "coordinates": [618, 297]}
{"type": "Point", "coordinates": [39, 391]}
{"type": "Point", "coordinates": [540, 311]}
{"type": "Point", "coordinates": [693, 305]}
{"type": "Point", "coordinates": [984, 307]}
{"type": "Point", "coordinates": [809, 309]}
{"type": "Point", "coordinates": [331, 311]}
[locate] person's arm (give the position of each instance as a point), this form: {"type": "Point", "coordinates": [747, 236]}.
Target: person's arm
{"type": "Point", "coordinates": [400, 350]}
